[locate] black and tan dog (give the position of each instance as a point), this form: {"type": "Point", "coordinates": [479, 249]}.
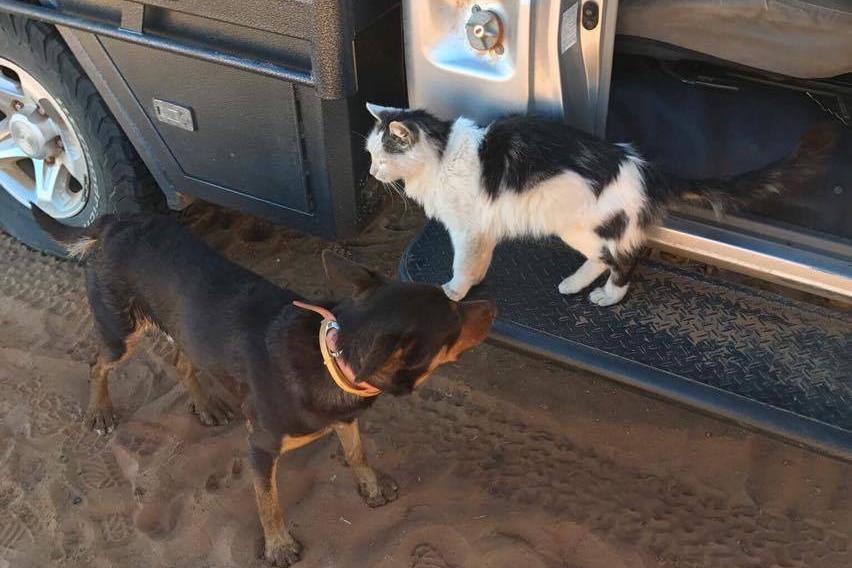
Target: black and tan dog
{"type": "Point", "coordinates": [309, 369]}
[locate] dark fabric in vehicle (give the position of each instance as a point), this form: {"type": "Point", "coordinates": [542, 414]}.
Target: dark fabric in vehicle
{"type": "Point", "coordinates": [700, 132]}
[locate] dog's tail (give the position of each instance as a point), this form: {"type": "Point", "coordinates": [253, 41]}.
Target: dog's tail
{"type": "Point", "coordinates": [77, 241]}
{"type": "Point", "coordinates": [787, 175]}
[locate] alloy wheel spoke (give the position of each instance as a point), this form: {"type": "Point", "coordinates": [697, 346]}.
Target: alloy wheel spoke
{"type": "Point", "coordinates": [50, 183]}
{"type": "Point", "coordinates": [9, 150]}
{"type": "Point", "coordinates": [46, 180]}
{"type": "Point", "coordinates": [76, 165]}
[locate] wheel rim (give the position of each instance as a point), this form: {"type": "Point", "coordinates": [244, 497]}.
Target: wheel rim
{"type": "Point", "coordinates": [42, 159]}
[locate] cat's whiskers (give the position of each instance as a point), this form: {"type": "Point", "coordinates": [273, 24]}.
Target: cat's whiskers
{"type": "Point", "coordinates": [397, 187]}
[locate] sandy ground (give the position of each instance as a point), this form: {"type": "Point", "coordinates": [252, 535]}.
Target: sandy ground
{"type": "Point", "coordinates": [502, 460]}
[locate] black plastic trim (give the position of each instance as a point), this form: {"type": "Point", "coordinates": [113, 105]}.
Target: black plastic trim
{"type": "Point", "coordinates": [75, 22]}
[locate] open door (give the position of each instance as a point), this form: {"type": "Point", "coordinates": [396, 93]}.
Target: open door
{"type": "Point", "coordinates": [484, 59]}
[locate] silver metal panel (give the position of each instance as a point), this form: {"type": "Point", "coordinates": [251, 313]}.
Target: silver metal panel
{"type": "Point", "coordinates": [547, 63]}
{"type": "Point", "coordinates": [766, 259]}
{"type": "Point", "coordinates": [449, 77]}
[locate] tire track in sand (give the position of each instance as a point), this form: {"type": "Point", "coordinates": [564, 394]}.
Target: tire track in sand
{"type": "Point", "coordinates": [679, 522]}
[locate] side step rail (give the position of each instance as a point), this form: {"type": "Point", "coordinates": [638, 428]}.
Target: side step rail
{"type": "Point", "coordinates": [759, 359]}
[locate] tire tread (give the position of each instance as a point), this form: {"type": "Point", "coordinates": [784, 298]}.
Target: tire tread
{"type": "Point", "coordinates": [131, 186]}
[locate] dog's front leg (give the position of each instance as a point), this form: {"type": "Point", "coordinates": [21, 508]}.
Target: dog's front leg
{"type": "Point", "coordinates": [376, 488]}
{"type": "Point", "coordinates": [280, 548]}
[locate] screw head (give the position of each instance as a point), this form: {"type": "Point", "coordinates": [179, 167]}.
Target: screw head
{"type": "Point", "coordinates": [41, 111]}
{"type": "Point", "coordinates": [475, 8]}
{"type": "Point", "coordinates": [499, 50]}
{"type": "Point", "coordinates": [50, 160]}
{"type": "Point", "coordinates": [17, 105]}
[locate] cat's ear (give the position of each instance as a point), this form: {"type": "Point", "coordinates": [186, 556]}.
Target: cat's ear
{"type": "Point", "coordinates": [377, 110]}
{"type": "Point", "coordinates": [401, 131]}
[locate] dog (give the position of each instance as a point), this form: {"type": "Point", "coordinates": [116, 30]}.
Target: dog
{"type": "Point", "coordinates": [309, 369]}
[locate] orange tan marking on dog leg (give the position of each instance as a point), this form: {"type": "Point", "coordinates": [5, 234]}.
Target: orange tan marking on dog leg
{"type": "Point", "coordinates": [289, 443]}
{"type": "Point", "coordinates": [99, 415]}
{"type": "Point", "coordinates": [376, 488]}
{"type": "Point", "coordinates": [280, 548]}
{"type": "Point", "coordinates": [210, 409]}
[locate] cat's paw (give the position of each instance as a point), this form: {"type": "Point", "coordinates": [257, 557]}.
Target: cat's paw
{"type": "Point", "coordinates": [453, 292]}
{"type": "Point", "coordinates": [571, 286]}
{"type": "Point", "coordinates": [608, 295]}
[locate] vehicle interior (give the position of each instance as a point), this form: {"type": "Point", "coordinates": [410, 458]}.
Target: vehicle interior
{"type": "Point", "coordinates": [725, 87]}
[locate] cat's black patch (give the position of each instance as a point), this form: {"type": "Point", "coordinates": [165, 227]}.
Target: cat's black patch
{"type": "Point", "coordinates": [649, 216]}
{"type": "Point", "coordinates": [419, 122]}
{"type": "Point", "coordinates": [613, 227]}
{"type": "Point", "coordinates": [519, 152]}
{"type": "Point", "coordinates": [621, 265]}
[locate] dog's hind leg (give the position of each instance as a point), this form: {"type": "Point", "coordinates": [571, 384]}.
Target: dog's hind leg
{"type": "Point", "coordinates": [99, 415]}
{"type": "Point", "coordinates": [117, 333]}
{"type": "Point", "coordinates": [210, 409]}
{"type": "Point", "coordinates": [376, 488]}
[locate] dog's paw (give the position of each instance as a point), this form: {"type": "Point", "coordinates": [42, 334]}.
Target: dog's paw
{"type": "Point", "coordinates": [382, 492]}
{"type": "Point", "coordinates": [283, 552]}
{"type": "Point", "coordinates": [212, 412]}
{"type": "Point", "coordinates": [100, 419]}
{"type": "Point", "coordinates": [453, 292]}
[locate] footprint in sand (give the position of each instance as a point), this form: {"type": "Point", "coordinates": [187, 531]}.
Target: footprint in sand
{"type": "Point", "coordinates": [100, 473]}
{"type": "Point", "coordinates": [10, 494]}
{"type": "Point", "coordinates": [75, 539]}
{"type": "Point", "coordinates": [19, 524]}
{"type": "Point", "coordinates": [426, 555]}
{"type": "Point", "coordinates": [143, 440]}
{"type": "Point", "coordinates": [116, 530]}
{"type": "Point", "coordinates": [79, 442]}
{"type": "Point", "coordinates": [52, 413]}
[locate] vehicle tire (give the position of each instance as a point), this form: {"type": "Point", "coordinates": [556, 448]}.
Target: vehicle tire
{"type": "Point", "coordinates": [60, 147]}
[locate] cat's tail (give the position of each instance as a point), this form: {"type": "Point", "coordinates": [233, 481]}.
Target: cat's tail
{"type": "Point", "coordinates": [788, 175]}
{"type": "Point", "coordinates": [77, 241]}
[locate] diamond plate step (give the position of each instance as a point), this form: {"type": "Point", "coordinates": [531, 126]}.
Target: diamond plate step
{"type": "Point", "coordinates": [765, 361]}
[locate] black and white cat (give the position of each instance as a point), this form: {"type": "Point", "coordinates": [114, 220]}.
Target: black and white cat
{"type": "Point", "coordinates": [527, 177]}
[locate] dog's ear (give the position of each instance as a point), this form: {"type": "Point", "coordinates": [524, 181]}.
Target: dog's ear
{"type": "Point", "coordinates": [355, 278]}
{"type": "Point", "coordinates": [477, 318]}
